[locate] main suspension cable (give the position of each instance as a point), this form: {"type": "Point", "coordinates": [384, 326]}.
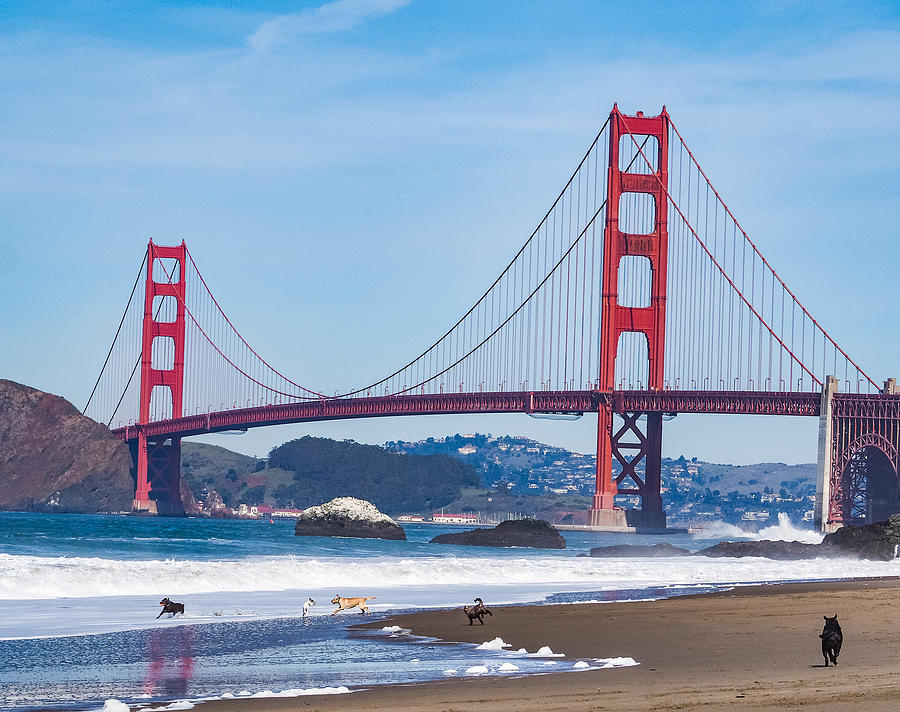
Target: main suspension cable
{"type": "Point", "coordinates": [115, 338]}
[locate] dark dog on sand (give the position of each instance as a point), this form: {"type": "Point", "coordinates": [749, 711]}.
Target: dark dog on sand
{"type": "Point", "coordinates": [832, 638]}
{"type": "Point", "coordinates": [479, 611]}
{"type": "Point", "coordinates": [171, 607]}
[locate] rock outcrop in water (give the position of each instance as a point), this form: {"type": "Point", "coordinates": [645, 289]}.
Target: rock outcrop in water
{"type": "Point", "coordinates": [534, 533]}
{"type": "Point", "coordinates": [779, 550]}
{"type": "Point", "coordinates": [625, 550]}
{"type": "Point", "coordinates": [879, 541]}
{"type": "Point", "coordinates": [348, 517]}
{"type": "Point", "coordinates": [54, 459]}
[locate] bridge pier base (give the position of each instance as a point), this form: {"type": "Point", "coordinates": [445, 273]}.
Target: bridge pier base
{"type": "Point", "coordinates": [821, 516]}
{"type": "Point", "coordinates": [157, 471]}
{"type": "Point", "coordinates": [144, 506]}
{"type": "Point", "coordinates": [613, 517]}
{"type": "Point", "coordinates": [645, 519]}
{"type": "Point", "coordinates": [631, 445]}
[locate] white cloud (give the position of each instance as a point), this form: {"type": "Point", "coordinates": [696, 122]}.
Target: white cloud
{"type": "Point", "coordinates": [330, 17]}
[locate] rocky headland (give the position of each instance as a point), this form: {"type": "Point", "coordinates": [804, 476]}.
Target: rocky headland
{"type": "Point", "coordinates": [348, 517]}
{"type": "Point", "coordinates": [533, 533]}
{"type": "Point", "coordinates": [54, 459]}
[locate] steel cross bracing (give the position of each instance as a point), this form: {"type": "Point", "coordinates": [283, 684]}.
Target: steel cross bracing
{"type": "Point", "coordinates": [637, 294]}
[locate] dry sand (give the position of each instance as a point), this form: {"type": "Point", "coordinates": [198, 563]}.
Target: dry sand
{"type": "Point", "coordinates": [753, 648]}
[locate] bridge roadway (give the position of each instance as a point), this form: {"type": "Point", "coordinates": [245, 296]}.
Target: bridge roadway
{"type": "Point", "coordinates": [543, 402]}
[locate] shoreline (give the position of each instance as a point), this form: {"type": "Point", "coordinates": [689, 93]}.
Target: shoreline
{"type": "Point", "coordinates": [755, 647]}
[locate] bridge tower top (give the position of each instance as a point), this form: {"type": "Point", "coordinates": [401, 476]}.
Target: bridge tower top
{"type": "Point", "coordinates": [162, 341]}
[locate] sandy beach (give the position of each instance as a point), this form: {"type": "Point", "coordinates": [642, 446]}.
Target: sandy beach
{"type": "Point", "coordinates": [752, 648]}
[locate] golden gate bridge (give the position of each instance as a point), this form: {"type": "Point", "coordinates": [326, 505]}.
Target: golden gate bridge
{"type": "Point", "coordinates": [637, 295]}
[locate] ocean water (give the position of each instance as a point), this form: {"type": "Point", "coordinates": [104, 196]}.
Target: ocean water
{"type": "Point", "coordinates": [81, 595]}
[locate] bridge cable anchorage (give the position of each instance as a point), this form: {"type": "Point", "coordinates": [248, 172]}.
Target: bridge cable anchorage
{"type": "Point", "coordinates": [709, 254]}
{"type": "Point", "coordinates": [137, 279]}
{"type": "Point", "coordinates": [762, 257]}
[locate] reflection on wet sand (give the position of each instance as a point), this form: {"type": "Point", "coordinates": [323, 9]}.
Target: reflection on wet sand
{"type": "Point", "coordinates": [170, 651]}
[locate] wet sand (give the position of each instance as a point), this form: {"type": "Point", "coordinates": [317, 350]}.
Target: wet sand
{"type": "Point", "coordinates": [753, 648]}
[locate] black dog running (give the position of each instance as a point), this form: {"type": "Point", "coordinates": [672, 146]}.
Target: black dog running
{"type": "Point", "coordinates": [171, 607]}
{"type": "Point", "coordinates": [832, 639]}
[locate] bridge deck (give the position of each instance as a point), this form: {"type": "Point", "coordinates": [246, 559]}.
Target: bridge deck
{"type": "Point", "coordinates": [729, 402]}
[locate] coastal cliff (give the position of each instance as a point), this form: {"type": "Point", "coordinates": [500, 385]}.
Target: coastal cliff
{"type": "Point", "coordinates": [54, 459]}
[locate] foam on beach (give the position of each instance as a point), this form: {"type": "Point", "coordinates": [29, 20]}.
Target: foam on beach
{"type": "Point", "coordinates": [178, 705]}
{"type": "Point", "coordinates": [546, 652]}
{"type": "Point", "coordinates": [495, 644]}
{"type": "Point", "coordinates": [615, 662]}
{"type": "Point", "coordinates": [302, 692]}
{"type": "Point", "coordinates": [115, 706]}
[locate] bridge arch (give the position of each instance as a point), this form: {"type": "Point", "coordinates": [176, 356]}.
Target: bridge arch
{"type": "Point", "coordinates": [868, 480]}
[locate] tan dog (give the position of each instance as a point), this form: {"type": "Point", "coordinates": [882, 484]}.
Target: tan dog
{"type": "Point", "coordinates": [344, 604]}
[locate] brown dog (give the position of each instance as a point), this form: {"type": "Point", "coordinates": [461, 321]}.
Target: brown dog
{"type": "Point", "coordinates": [344, 604]}
{"type": "Point", "coordinates": [479, 611]}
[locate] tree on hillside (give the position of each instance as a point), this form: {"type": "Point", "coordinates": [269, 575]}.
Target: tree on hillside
{"type": "Point", "coordinates": [324, 469]}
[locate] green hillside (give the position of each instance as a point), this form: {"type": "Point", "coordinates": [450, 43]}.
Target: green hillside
{"type": "Point", "coordinates": [395, 483]}
{"type": "Point", "coordinates": [237, 478]}
{"type": "Point", "coordinates": [309, 471]}
{"type": "Point", "coordinates": [481, 473]}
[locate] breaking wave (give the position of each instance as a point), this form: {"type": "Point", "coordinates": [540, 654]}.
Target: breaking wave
{"type": "Point", "coordinates": [785, 530]}
{"type": "Point", "coordinates": [33, 577]}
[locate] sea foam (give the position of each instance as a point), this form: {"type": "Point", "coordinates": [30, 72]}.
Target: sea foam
{"type": "Point", "coordinates": [36, 577]}
{"type": "Point", "coordinates": [115, 706]}
{"type": "Point", "coordinates": [785, 530]}
{"type": "Point", "coordinates": [495, 644]}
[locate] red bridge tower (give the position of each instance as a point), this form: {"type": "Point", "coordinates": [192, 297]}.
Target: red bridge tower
{"type": "Point", "coordinates": [158, 460]}
{"type": "Point", "coordinates": [629, 444]}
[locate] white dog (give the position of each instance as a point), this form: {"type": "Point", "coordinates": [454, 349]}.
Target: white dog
{"type": "Point", "coordinates": [309, 602]}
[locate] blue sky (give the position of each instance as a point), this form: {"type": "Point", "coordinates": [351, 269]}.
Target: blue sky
{"type": "Point", "coordinates": [351, 175]}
